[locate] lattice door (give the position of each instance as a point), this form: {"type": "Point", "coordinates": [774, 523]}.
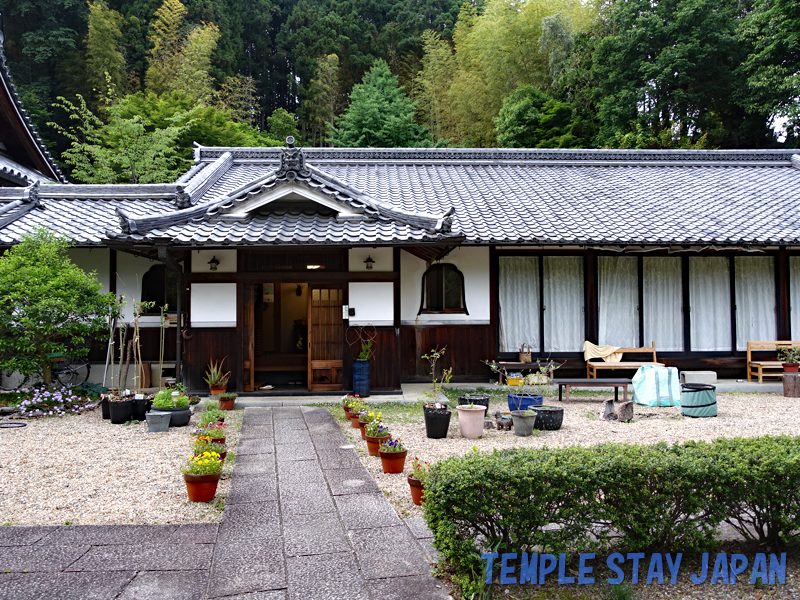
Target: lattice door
{"type": "Point", "coordinates": [325, 339]}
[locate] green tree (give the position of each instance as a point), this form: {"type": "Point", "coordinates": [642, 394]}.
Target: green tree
{"type": "Point", "coordinates": [379, 115]}
{"type": "Point", "coordinates": [193, 68]}
{"type": "Point", "coordinates": [530, 118]}
{"type": "Point", "coordinates": [432, 86]}
{"type": "Point", "coordinates": [239, 96]}
{"type": "Point", "coordinates": [322, 103]}
{"type": "Point", "coordinates": [103, 54]}
{"type": "Point", "coordinates": [167, 45]}
{"type": "Point", "coordinates": [49, 304]}
{"type": "Point", "coordinates": [281, 124]}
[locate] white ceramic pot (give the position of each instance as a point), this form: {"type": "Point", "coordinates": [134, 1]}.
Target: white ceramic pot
{"type": "Point", "coordinates": [470, 421]}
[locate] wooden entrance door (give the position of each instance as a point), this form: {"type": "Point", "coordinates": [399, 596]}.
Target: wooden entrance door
{"type": "Point", "coordinates": [325, 338]}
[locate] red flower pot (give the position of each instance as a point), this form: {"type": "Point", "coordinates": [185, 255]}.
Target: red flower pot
{"type": "Point", "coordinates": [216, 391]}
{"type": "Point", "coordinates": [226, 403]}
{"type": "Point", "coordinates": [374, 443]}
{"type": "Point", "coordinates": [791, 367]}
{"type": "Point", "coordinates": [346, 412]}
{"type": "Point", "coordinates": [354, 420]}
{"type": "Point", "coordinates": [201, 488]}
{"type": "Point", "coordinates": [393, 462]}
{"type": "Point", "coordinates": [417, 489]}
{"type": "Point", "coordinates": [361, 426]}
{"type": "Point", "coordinates": [219, 440]}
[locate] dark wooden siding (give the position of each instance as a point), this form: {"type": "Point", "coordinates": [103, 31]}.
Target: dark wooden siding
{"type": "Point", "coordinates": [149, 341]}
{"type": "Point", "coordinates": [383, 373]}
{"type": "Point", "coordinates": [467, 347]}
{"type": "Point", "coordinates": [211, 344]}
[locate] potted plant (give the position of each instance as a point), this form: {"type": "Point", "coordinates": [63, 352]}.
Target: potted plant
{"type": "Point", "coordinates": [204, 444]}
{"type": "Point", "coordinates": [470, 420]}
{"type": "Point", "coordinates": [120, 409]}
{"type": "Point", "coordinates": [214, 431]}
{"type": "Point", "coordinates": [355, 410]}
{"type": "Point", "coordinates": [212, 413]}
{"type": "Point", "coordinates": [482, 399]}
{"type": "Point", "coordinates": [364, 418]}
{"type": "Point", "coordinates": [790, 358]}
{"type": "Point", "coordinates": [227, 400]}
{"type": "Point", "coordinates": [416, 481]}
{"type": "Point", "coordinates": [174, 403]}
{"type": "Point", "coordinates": [524, 422]}
{"type": "Point", "coordinates": [393, 456]}
{"type": "Point", "coordinates": [549, 417]}
{"type": "Point", "coordinates": [434, 405]}
{"type": "Point", "coordinates": [202, 474]}
{"type": "Point", "coordinates": [362, 362]}
{"type": "Point", "coordinates": [376, 433]}
{"type": "Point", "coordinates": [216, 379]}
{"type": "Point", "coordinates": [533, 386]}
{"type": "Point", "coordinates": [347, 401]}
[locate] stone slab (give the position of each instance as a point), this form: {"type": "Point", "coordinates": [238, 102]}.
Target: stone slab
{"type": "Point", "coordinates": [254, 446]}
{"type": "Point", "coordinates": [431, 553]}
{"type": "Point", "coordinates": [104, 535]}
{"type": "Point", "coordinates": [325, 577]}
{"type": "Point", "coordinates": [253, 464]}
{"type": "Point", "coordinates": [40, 558]}
{"type": "Point", "coordinates": [257, 431]}
{"type": "Point", "coordinates": [252, 488]}
{"type": "Point", "coordinates": [351, 481]}
{"type": "Point", "coordinates": [306, 535]}
{"type": "Point", "coordinates": [305, 499]}
{"type": "Point", "coordinates": [295, 452]}
{"type": "Point", "coordinates": [326, 441]}
{"type": "Point", "coordinates": [366, 511]}
{"type": "Point", "coordinates": [292, 436]}
{"type": "Point", "coordinates": [167, 585]}
{"type": "Point", "coordinates": [283, 413]}
{"type": "Point", "coordinates": [272, 595]}
{"type": "Point", "coordinates": [418, 527]}
{"type": "Point", "coordinates": [256, 416]}
{"type": "Point", "coordinates": [195, 533]}
{"type": "Point", "coordinates": [247, 565]}
{"type": "Point", "coordinates": [18, 535]}
{"type": "Point", "coordinates": [71, 586]}
{"type": "Point", "coordinates": [406, 557]}
{"type": "Point", "coordinates": [297, 424]}
{"type": "Point", "coordinates": [250, 520]}
{"type": "Point", "coordinates": [338, 458]}
{"type": "Point", "coordinates": [408, 588]}
{"type": "Point", "coordinates": [150, 557]}
{"type": "Point", "coordinates": [306, 471]}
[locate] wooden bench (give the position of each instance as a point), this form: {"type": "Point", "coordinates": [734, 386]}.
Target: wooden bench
{"type": "Point", "coordinates": [593, 367]}
{"type": "Point", "coordinates": [766, 368]}
{"type": "Point", "coordinates": [569, 383]}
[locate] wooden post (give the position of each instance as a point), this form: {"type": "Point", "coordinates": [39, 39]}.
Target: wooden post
{"type": "Point", "coordinates": [791, 385]}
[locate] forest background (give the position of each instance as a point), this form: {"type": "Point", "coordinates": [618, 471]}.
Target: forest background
{"type": "Point", "coordinates": [120, 90]}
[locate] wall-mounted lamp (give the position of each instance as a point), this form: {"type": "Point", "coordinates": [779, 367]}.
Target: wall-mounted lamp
{"type": "Point", "coordinates": [312, 267]}
{"type": "Point", "coordinates": [299, 290]}
{"type": "Point", "coordinates": [369, 262]}
{"type": "Point", "coordinates": [213, 263]}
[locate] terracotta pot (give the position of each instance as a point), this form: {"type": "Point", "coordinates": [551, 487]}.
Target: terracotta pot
{"type": "Point", "coordinates": [417, 489]}
{"type": "Point", "coordinates": [219, 440]}
{"type": "Point", "coordinates": [393, 462]}
{"type": "Point", "coordinates": [201, 488]}
{"type": "Point", "coordinates": [791, 367]}
{"type": "Point", "coordinates": [470, 421]}
{"type": "Point", "coordinates": [354, 420]}
{"type": "Point", "coordinates": [374, 443]}
{"type": "Point", "coordinates": [361, 426]}
{"type": "Point", "coordinates": [346, 412]}
{"type": "Point", "coordinates": [227, 403]}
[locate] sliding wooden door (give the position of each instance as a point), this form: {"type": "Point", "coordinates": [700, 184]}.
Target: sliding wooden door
{"type": "Point", "coordinates": [325, 338]}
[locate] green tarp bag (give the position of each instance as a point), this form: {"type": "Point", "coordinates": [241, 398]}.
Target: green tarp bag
{"type": "Point", "coordinates": [656, 386]}
{"type": "Point", "coordinates": [698, 400]}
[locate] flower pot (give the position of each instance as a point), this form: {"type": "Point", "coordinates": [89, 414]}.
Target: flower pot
{"type": "Point", "coordinates": [104, 408]}
{"type": "Point", "coordinates": [791, 367]}
{"type": "Point", "coordinates": [470, 421]}
{"type": "Point", "coordinates": [120, 412]}
{"type": "Point", "coordinates": [417, 489]}
{"type": "Point", "coordinates": [437, 422]}
{"type": "Point", "coordinates": [393, 462]}
{"type": "Point", "coordinates": [226, 403]}
{"type": "Point", "coordinates": [201, 488]}
{"type": "Point", "coordinates": [219, 440]}
{"type": "Point", "coordinates": [179, 416]}
{"type": "Point", "coordinates": [549, 417]}
{"type": "Point", "coordinates": [346, 412]}
{"type": "Point", "coordinates": [216, 391]}
{"type": "Point", "coordinates": [477, 399]}
{"type": "Point", "coordinates": [374, 444]}
{"type": "Point", "coordinates": [139, 409]}
{"type": "Point", "coordinates": [523, 402]}
{"type": "Point", "coordinates": [361, 426]}
{"type": "Point", "coordinates": [354, 420]}
{"type": "Point", "coordinates": [523, 424]}
{"type": "Point", "coordinates": [361, 377]}
{"type": "Point", "coordinates": [158, 421]}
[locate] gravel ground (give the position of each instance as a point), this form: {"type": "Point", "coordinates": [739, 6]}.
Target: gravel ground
{"type": "Point", "coordinates": [740, 415]}
{"type": "Point", "coordinates": [81, 470]}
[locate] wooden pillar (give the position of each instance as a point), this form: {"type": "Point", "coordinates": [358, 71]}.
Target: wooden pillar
{"type": "Point", "coordinates": [783, 316]}
{"type": "Point", "coordinates": [397, 368]}
{"type": "Point", "coordinates": [590, 296]}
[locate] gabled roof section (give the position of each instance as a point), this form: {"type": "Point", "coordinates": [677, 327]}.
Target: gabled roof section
{"type": "Point", "coordinates": [291, 174]}
{"type": "Point", "coordinates": [26, 159]}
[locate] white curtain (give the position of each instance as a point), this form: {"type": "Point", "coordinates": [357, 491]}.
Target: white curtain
{"type": "Point", "coordinates": [794, 295]}
{"type": "Point", "coordinates": [755, 300]}
{"type": "Point", "coordinates": [710, 303]}
{"type": "Point", "coordinates": [618, 299]}
{"type": "Point", "coordinates": [663, 302]}
{"type": "Point", "coordinates": [563, 304]}
{"type": "Point", "coordinates": [519, 302]}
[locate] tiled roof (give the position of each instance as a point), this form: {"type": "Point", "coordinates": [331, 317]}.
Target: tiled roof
{"type": "Point", "coordinates": [586, 197]}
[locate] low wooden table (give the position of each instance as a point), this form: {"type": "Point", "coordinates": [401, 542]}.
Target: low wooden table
{"type": "Point", "coordinates": [570, 383]}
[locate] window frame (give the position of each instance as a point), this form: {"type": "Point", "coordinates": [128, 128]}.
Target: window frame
{"type": "Point", "coordinates": [447, 311]}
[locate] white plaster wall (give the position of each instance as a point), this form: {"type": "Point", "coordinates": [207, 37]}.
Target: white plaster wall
{"type": "Point", "coordinates": [226, 258]}
{"type": "Point", "coordinates": [383, 257]}
{"type": "Point", "coordinates": [473, 262]}
{"type": "Point", "coordinates": [130, 270]}
{"type": "Point", "coordinates": [94, 259]}
{"type": "Point", "coordinates": [374, 303]}
{"type": "Point", "coordinates": [213, 305]}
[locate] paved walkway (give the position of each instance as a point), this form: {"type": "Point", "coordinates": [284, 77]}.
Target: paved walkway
{"type": "Point", "coordinates": [303, 521]}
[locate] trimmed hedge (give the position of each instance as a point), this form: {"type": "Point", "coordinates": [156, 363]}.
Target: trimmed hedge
{"type": "Point", "coordinates": [640, 498]}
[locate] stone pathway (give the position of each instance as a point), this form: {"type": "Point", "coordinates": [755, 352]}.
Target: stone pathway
{"type": "Point", "coordinates": [303, 521]}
